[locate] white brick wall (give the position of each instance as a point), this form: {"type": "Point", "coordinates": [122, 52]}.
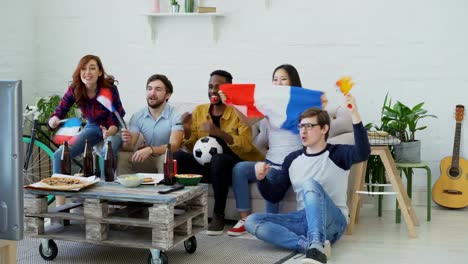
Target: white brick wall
{"type": "Point", "coordinates": [415, 49]}
{"type": "Point", "coordinates": [17, 43]}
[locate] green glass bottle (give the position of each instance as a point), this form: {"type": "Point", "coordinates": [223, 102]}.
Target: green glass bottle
{"type": "Point", "coordinates": [189, 6]}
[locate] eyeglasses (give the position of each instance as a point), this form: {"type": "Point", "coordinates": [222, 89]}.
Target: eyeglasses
{"type": "Point", "coordinates": [307, 126]}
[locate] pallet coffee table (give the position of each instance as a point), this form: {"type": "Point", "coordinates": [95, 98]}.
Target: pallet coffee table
{"type": "Point", "coordinates": [163, 221]}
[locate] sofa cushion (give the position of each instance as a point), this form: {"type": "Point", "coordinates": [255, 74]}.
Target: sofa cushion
{"type": "Point", "coordinates": [340, 123]}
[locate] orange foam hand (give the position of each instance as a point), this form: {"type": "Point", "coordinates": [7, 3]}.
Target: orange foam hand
{"type": "Point", "coordinates": [345, 84]}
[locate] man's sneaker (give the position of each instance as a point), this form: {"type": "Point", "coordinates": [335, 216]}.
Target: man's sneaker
{"type": "Point", "coordinates": [238, 229]}
{"type": "Point", "coordinates": [314, 256]}
{"type": "Point", "coordinates": [216, 226]}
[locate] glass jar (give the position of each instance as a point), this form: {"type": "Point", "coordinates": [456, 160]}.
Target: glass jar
{"type": "Point", "coordinates": [156, 6]}
{"type": "Point", "coordinates": [189, 6]}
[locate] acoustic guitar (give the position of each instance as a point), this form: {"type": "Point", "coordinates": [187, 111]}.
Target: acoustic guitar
{"type": "Point", "coordinates": [451, 189]}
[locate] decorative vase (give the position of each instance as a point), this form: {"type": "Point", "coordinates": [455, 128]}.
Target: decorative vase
{"type": "Point", "coordinates": [189, 6]}
{"type": "Point", "coordinates": [175, 8]}
{"type": "Point", "coordinates": [156, 6]}
{"type": "Point", "coordinates": [408, 152]}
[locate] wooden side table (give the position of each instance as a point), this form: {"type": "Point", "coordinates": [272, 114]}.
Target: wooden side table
{"type": "Point", "coordinates": [402, 197]}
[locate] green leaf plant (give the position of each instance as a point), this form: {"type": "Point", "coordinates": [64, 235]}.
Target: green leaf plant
{"type": "Point", "coordinates": [402, 121]}
{"type": "Point", "coordinates": [399, 120]}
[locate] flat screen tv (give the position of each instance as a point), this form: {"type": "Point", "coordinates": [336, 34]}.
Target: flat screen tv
{"type": "Point", "coordinates": [11, 160]}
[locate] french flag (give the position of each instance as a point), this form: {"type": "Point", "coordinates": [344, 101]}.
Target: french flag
{"type": "Point", "coordinates": [67, 131]}
{"type": "Point", "coordinates": [281, 104]}
{"type": "Point", "coordinates": [105, 98]}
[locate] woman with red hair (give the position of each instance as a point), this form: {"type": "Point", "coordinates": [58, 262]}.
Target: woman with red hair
{"type": "Point", "coordinates": [89, 81]}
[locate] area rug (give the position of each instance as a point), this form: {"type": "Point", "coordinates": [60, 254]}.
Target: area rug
{"type": "Point", "coordinates": [210, 249]}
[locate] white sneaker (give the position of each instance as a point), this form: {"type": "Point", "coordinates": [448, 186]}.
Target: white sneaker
{"type": "Point", "coordinates": [327, 249]}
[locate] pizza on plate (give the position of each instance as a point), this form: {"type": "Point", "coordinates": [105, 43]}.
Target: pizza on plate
{"type": "Point", "coordinates": [63, 183]}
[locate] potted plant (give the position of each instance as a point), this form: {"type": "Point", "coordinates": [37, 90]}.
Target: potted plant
{"type": "Point", "coordinates": [175, 6]}
{"type": "Point", "coordinates": [402, 121]}
{"type": "Point", "coordinates": [397, 121]}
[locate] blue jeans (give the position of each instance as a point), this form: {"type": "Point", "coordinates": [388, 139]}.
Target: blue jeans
{"type": "Point", "coordinates": [320, 220]}
{"type": "Point", "coordinates": [93, 134]}
{"type": "Point", "coordinates": [243, 174]}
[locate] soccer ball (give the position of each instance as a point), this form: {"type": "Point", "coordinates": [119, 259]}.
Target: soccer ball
{"type": "Point", "coordinates": [204, 150]}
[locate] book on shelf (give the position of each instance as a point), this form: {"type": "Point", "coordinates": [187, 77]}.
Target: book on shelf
{"type": "Point", "coordinates": [206, 9]}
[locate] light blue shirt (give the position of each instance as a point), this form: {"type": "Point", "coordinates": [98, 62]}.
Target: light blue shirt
{"type": "Point", "coordinates": [156, 132]}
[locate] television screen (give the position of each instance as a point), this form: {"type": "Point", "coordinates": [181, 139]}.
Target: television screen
{"type": "Point", "coordinates": [11, 160]}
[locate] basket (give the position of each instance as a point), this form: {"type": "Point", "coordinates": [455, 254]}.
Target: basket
{"type": "Point", "coordinates": [382, 138]}
{"type": "Point", "coordinates": [188, 179]}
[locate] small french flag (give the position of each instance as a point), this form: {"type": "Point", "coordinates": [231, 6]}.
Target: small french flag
{"type": "Point", "coordinates": [281, 104]}
{"type": "Point", "coordinates": [69, 129]}
{"type": "Point", "coordinates": [105, 98]}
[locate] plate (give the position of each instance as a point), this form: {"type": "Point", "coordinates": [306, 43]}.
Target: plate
{"type": "Point", "coordinates": [84, 182]}
{"type": "Point", "coordinates": [155, 177]}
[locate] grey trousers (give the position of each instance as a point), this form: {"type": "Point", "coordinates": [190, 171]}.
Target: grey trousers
{"type": "Point", "coordinates": [153, 164]}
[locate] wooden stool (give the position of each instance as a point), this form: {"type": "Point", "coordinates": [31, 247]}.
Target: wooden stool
{"type": "Point", "coordinates": [7, 251]}
{"type": "Point", "coordinates": [407, 168]}
{"type": "Point", "coordinates": [397, 185]}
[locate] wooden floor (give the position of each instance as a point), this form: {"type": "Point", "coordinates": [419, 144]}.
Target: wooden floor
{"type": "Point", "coordinates": [376, 240]}
{"type": "Point", "coordinates": [382, 241]}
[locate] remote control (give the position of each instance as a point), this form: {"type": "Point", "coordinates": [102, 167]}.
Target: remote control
{"type": "Point", "coordinates": [172, 189]}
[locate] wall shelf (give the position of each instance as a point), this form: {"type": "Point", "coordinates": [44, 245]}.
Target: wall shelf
{"type": "Point", "coordinates": [213, 17]}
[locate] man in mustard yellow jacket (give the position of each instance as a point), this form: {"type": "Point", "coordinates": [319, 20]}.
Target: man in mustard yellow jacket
{"type": "Point", "coordinates": [221, 122]}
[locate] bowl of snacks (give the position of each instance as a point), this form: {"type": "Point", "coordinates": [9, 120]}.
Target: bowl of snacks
{"type": "Point", "coordinates": [188, 179]}
{"type": "Point", "coordinates": [130, 180]}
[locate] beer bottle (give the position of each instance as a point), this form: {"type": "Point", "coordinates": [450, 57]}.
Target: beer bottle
{"type": "Point", "coordinates": [88, 169]}
{"type": "Point", "coordinates": [109, 163]}
{"type": "Point", "coordinates": [65, 159]}
{"type": "Point", "coordinates": [168, 167]}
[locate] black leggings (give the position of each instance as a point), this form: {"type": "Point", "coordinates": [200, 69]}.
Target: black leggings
{"type": "Point", "coordinates": [219, 174]}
